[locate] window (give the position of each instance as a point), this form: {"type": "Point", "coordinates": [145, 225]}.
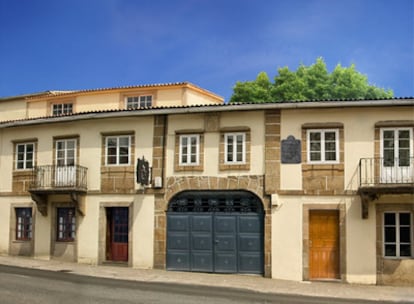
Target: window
{"type": "Point", "coordinates": [24, 224]}
{"type": "Point", "coordinates": [397, 234]}
{"type": "Point", "coordinates": [136, 102]}
{"type": "Point", "coordinates": [235, 148]}
{"type": "Point", "coordinates": [66, 224]}
{"type": "Point", "coordinates": [62, 108]}
{"type": "Point", "coordinates": [323, 146]}
{"type": "Point", "coordinates": [118, 150]}
{"type": "Point", "coordinates": [189, 149]}
{"type": "Point", "coordinates": [66, 152]}
{"type": "Point", "coordinates": [24, 156]}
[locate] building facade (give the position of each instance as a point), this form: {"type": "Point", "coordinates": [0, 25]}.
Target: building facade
{"type": "Point", "coordinates": [169, 176]}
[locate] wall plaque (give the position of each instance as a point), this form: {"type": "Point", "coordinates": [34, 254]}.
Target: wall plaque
{"type": "Point", "coordinates": [143, 171]}
{"type": "Point", "coordinates": [291, 150]}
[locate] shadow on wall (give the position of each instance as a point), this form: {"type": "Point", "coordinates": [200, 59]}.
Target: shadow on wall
{"type": "Point", "coordinates": [64, 251]}
{"type": "Point", "coordinates": [397, 272]}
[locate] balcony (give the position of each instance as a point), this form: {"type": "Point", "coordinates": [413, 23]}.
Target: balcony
{"type": "Point", "coordinates": [378, 176]}
{"type": "Point", "coordinates": [50, 179]}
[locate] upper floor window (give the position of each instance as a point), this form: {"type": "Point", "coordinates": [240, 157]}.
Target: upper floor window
{"type": "Point", "coordinates": [397, 234]}
{"type": "Point", "coordinates": [118, 149]}
{"type": "Point", "coordinates": [66, 224]}
{"type": "Point", "coordinates": [235, 148]}
{"type": "Point", "coordinates": [66, 152]}
{"type": "Point", "coordinates": [24, 224]}
{"type": "Point", "coordinates": [62, 108]}
{"type": "Point", "coordinates": [136, 102]}
{"type": "Point", "coordinates": [25, 156]}
{"type": "Point", "coordinates": [323, 146]}
{"type": "Point", "coordinates": [189, 149]}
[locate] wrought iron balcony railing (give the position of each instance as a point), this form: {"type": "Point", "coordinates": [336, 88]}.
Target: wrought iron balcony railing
{"type": "Point", "coordinates": [49, 178]}
{"type": "Point", "coordinates": [380, 171]}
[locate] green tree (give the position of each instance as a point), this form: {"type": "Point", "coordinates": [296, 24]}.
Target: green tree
{"type": "Point", "coordinates": [312, 82]}
{"type": "Point", "coordinates": [256, 91]}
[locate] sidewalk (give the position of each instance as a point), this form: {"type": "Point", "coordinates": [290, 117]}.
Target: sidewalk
{"type": "Point", "coordinates": [255, 283]}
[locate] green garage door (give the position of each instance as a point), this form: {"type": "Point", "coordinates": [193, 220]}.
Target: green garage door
{"type": "Point", "coordinates": [215, 231]}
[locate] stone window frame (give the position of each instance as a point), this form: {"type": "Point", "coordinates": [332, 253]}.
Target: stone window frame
{"type": "Point", "coordinates": [22, 177]}
{"type": "Point", "coordinates": [16, 160]}
{"type": "Point", "coordinates": [381, 209]}
{"type": "Point", "coordinates": [131, 148]}
{"type": "Point", "coordinates": [180, 167]}
{"type": "Point", "coordinates": [123, 98]}
{"type": "Point", "coordinates": [398, 242]}
{"type": "Point", "coordinates": [323, 160]}
{"type": "Point", "coordinates": [378, 129]}
{"type": "Point", "coordinates": [21, 247]}
{"type": "Point", "coordinates": [332, 170]}
{"type": "Point", "coordinates": [137, 104]}
{"type": "Point", "coordinates": [75, 137]}
{"type": "Point", "coordinates": [225, 166]}
{"type": "Point", "coordinates": [23, 238]}
{"type": "Point", "coordinates": [123, 173]}
{"type": "Point", "coordinates": [63, 108]}
{"type": "Point", "coordinates": [73, 230]}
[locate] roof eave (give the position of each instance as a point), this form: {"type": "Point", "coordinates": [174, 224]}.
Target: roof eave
{"type": "Point", "coordinates": [208, 109]}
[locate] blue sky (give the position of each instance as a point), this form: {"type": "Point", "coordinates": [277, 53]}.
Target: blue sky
{"type": "Point", "coordinates": [87, 44]}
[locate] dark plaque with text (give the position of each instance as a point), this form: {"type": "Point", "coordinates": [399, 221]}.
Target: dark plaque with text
{"type": "Point", "coordinates": [291, 150]}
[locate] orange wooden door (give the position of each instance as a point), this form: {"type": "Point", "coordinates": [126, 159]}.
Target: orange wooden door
{"type": "Point", "coordinates": [324, 244]}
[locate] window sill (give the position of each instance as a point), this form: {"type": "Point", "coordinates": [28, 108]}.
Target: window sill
{"type": "Point", "coordinates": [235, 166]}
{"type": "Point", "coordinates": [323, 166]}
{"type": "Point", "coordinates": [188, 168]}
{"type": "Point", "coordinates": [397, 258]}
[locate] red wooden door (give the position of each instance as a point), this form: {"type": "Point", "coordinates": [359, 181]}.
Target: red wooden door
{"type": "Point", "coordinates": [119, 233]}
{"type": "Point", "coordinates": [324, 244]}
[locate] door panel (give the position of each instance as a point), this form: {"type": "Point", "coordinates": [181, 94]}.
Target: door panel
{"type": "Point", "coordinates": [225, 243]}
{"type": "Point", "coordinates": [396, 153]}
{"type": "Point", "coordinates": [119, 233]}
{"type": "Point", "coordinates": [250, 239]}
{"type": "Point", "coordinates": [65, 175]}
{"type": "Point", "coordinates": [202, 242]}
{"type": "Point", "coordinates": [215, 242]}
{"type": "Point", "coordinates": [250, 224]}
{"type": "Point", "coordinates": [178, 242]}
{"type": "Point", "coordinates": [324, 244]}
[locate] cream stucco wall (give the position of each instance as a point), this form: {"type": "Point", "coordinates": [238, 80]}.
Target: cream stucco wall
{"type": "Point", "coordinates": [13, 109]}
{"type": "Point", "coordinates": [90, 152]}
{"type": "Point", "coordinates": [253, 120]}
{"type": "Point", "coordinates": [90, 141]}
{"type": "Point", "coordinates": [97, 102]}
{"type": "Point", "coordinates": [37, 109]}
{"type": "Point", "coordinates": [142, 208]}
{"type": "Point", "coordinates": [287, 237]}
{"type": "Point", "coordinates": [358, 134]}
{"type": "Point", "coordinates": [169, 97]}
{"type": "Point", "coordinates": [4, 224]}
{"type": "Point", "coordinates": [196, 98]}
{"type": "Point", "coordinates": [143, 231]}
{"type": "Point", "coordinates": [360, 243]}
{"type": "Point", "coordinates": [87, 233]}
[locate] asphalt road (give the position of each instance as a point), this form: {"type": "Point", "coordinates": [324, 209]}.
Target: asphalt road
{"type": "Point", "coordinates": [23, 286]}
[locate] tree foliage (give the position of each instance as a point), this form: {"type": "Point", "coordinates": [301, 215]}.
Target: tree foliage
{"type": "Point", "coordinates": [312, 82]}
